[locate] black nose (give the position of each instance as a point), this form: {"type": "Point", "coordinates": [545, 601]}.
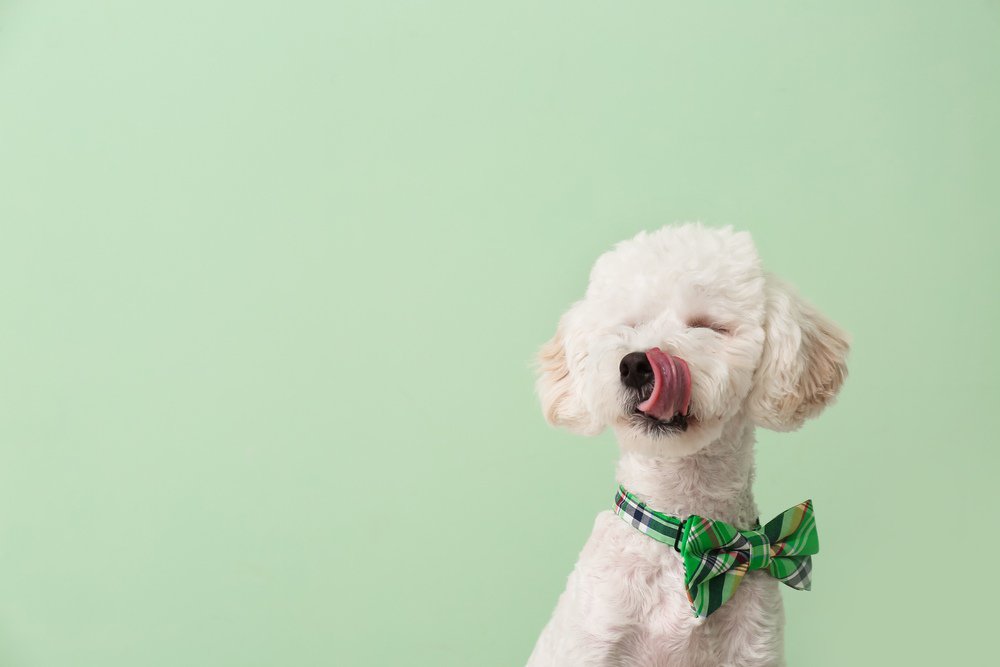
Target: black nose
{"type": "Point", "coordinates": [635, 369]}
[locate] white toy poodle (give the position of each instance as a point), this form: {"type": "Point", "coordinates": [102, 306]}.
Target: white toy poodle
{"type": "Point", "coordinates": [683, 345]}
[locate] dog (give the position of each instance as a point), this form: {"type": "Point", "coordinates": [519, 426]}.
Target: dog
{"type": "Point", "coordinates": [682, 345]}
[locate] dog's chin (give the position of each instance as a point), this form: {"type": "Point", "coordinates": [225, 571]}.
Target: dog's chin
{"type": "Point", "coordinates": [660, 427]}
{"type": "Point", "coordinates": [679, 436]}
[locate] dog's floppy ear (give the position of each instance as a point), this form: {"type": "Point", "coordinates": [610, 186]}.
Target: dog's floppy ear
{"type": "Point", "coordinates": [804, 362]}
{"type": "Point", "coordinates": [561, 404]}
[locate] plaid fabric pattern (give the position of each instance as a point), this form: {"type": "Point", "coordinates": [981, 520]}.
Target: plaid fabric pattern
{"type": "Point", "coordinates": [717, 555]}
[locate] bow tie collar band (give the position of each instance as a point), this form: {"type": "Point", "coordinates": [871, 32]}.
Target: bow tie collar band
{"type": "Point", "coordinates": [717, 555]}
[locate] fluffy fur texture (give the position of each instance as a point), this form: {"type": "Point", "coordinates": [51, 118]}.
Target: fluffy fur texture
{"type": "Point", "coordinates": [759, 355]}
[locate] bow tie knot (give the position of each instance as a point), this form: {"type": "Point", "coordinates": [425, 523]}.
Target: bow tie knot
{"type": "Point", "coordinates": [752, 547]}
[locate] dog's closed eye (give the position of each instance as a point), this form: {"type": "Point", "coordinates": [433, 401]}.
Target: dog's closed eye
{"type": "Point", "coordinates": [706, 323]}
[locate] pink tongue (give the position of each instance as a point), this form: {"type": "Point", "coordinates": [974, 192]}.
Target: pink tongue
{"type": "Point", "coordinates": [671, 386]}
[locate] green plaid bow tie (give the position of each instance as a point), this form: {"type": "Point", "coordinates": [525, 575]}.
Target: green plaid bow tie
{"type": "Point", "coordinates": [717, 555]}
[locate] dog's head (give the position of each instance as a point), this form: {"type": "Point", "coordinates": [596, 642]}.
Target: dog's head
{"type": "Point", "coordinates": [680, 332]}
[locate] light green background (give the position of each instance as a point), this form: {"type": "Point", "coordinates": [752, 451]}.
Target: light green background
{"type": "Point", "coordinates": [272, 276]}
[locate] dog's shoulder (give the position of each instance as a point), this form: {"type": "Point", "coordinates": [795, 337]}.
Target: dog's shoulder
{"type": "Point", "coordinates": [619, 554]}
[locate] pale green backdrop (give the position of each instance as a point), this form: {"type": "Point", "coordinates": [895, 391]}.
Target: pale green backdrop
{"type": "Point", "coordinates": [272, 275]}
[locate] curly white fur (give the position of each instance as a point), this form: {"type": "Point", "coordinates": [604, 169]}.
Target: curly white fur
{"type": "Point", "coordinates": [759, 355]}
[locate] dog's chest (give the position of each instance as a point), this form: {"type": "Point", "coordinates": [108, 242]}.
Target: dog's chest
{"type": "Point", "coordinates": [635, 603]}
{"type": "Point", "coordinates": [639, 579]}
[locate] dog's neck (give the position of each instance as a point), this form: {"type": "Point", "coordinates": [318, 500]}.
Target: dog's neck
{"type": "Point", "coordinates": [715, 482]}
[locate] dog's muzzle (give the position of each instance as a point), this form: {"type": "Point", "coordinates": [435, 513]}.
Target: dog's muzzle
{"type": "Point", "coordinates": [671, 379]}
